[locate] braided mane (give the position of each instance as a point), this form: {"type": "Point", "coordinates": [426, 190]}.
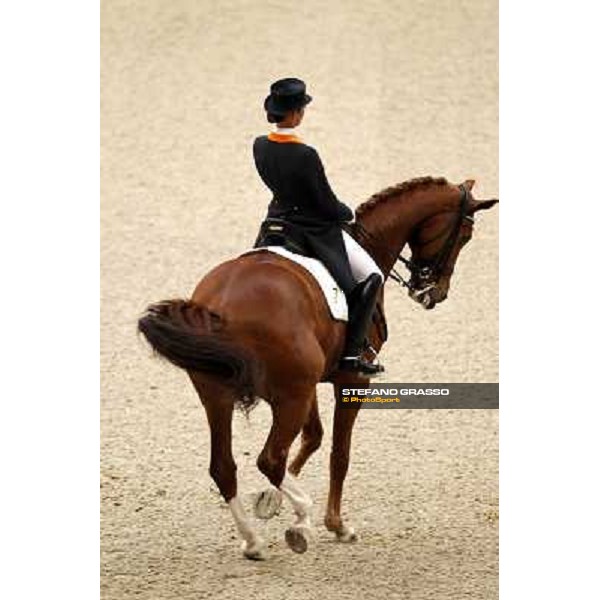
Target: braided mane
{"type": "Point", "coordinates": [397, 190]}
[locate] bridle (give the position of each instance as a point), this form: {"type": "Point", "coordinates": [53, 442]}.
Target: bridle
{"type": "Point", "coordinates": [428, 271]}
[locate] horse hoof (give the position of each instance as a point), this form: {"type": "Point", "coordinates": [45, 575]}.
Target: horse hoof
{"type": "Point", "coordinates": [297, 538]}
{"type": "Point", "coordinates": [346, 535]}
{"type": "Point", "coordinates": [255, 551]}
{"type": "Point", "coordinates": [267, 503]}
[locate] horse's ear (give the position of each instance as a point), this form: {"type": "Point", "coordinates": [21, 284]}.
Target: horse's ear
{"type": "Point", "coordinates": [469, 184]}
{"type": "Point", "coordinates": [483, 205]}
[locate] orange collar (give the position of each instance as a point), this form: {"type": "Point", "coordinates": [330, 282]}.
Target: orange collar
{"type": "Point", "coordinates": [284, 138]}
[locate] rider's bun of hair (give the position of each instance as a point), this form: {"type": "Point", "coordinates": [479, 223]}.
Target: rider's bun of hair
{"type": "Point", "coordinates": [273, 118]}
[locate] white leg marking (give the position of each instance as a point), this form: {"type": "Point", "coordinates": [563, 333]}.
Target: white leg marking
{"type": "Point", "coordinates": [299, 534]}
{"type": "Point", "coordinates": [346, 535]}
{"type": "Point", "coordinates": [298, 497]}
{"type": "Point", "coordinates": [253, 545]}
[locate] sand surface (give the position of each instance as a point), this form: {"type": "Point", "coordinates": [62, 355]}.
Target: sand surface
{"type": "Point", "coordinates": [401, 89]}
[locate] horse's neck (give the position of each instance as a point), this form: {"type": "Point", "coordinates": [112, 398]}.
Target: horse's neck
{"type": "Point", "coordinates": [392, 223]}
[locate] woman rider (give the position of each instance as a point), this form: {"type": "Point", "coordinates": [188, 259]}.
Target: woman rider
{"type": "Point", "coordinates": [293, 171]}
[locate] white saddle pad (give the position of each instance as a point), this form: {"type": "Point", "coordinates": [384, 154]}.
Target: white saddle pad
{"type": "Point", "coordinates": [336, 300]}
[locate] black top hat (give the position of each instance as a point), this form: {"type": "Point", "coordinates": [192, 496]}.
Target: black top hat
{"type": "Point", "coordinates": [286, 94]}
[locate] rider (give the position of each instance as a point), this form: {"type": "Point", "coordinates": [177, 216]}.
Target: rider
{"type": "Point", "coordinates": [293, 171]}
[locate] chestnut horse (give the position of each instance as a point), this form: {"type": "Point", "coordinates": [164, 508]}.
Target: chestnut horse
{"type": "Point", "coordinates": [258, 326]}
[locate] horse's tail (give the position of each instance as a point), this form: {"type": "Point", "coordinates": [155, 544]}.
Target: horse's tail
{"type": "Point", "coordinates": [193, 338]}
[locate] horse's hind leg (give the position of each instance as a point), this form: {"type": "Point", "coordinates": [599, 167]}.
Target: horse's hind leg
{"type": "Point", "coordinates": [268, 502]}
{"type": "Point", "coordinates": [290, 411]}
{"type": "Point", "coordinates": [312, 435]}
{"type": "Point", "coordinates": [218, 403]}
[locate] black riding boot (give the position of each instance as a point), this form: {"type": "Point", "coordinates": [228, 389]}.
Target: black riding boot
{"type": "Point", "coordinates": [361, 304]}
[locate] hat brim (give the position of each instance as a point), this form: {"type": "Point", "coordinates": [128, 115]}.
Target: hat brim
{"type": "Point", "coordinates": [273, 107]}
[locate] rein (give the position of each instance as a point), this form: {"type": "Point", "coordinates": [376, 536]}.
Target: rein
{"type": "Point", "coordinates": [426, 270]}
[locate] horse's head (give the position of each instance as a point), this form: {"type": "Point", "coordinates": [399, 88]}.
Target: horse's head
{"type": "Point", "coordinates": [436, 243]}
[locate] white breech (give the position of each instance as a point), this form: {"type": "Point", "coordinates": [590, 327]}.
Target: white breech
{"type": "Point", "coordinates": [361, 263]}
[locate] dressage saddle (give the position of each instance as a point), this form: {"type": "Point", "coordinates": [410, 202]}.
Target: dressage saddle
{"type": "Point", "coordinates": [277, 232]}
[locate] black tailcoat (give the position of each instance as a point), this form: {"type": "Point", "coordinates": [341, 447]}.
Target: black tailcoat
{"type": "Point", "coordinates": [302, 196]}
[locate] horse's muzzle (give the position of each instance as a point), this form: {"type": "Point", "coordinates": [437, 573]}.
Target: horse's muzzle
{"type": "Point", "coordinates": [428, 297]}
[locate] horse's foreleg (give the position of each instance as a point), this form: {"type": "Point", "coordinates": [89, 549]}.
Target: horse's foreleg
{"type": "Point", "coordinates": [312, 435]}
{"type": "Point", "coordinates": [343, 422]}
{"type": "Point", "coordinates": [290, 411]}
{"type": "Point", "coordinates": [218, 403]}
